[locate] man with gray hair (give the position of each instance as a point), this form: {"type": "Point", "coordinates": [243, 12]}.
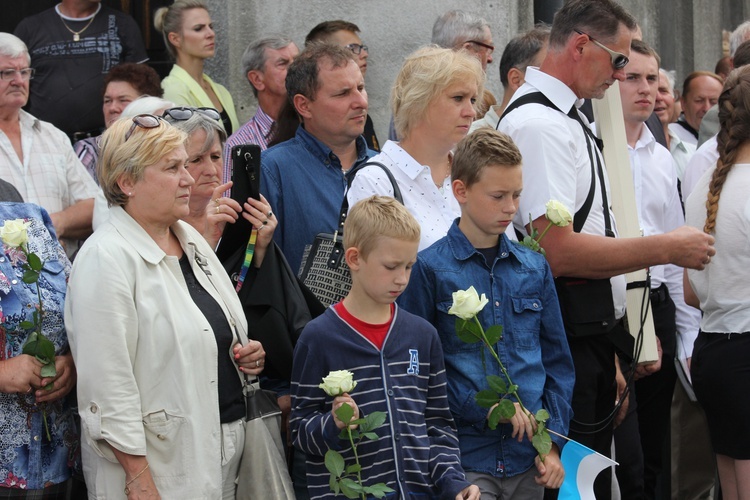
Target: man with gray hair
{"type": "Point", "coordinates": [36, 157]}
{"type": "Point", "coordinates": [457, 29]}
{"type": "Point", "coordinates": [264, 63]}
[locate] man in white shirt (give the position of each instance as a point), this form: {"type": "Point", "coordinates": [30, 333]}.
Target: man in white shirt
{"type": "Point", "coordinates": [588, 48]}
{"type": "Point", "coordinates": [700, 91]}
{"type": "Point", "coordinates": [659, 211]}
{"type": "Point", "coordinates": [36, 157]}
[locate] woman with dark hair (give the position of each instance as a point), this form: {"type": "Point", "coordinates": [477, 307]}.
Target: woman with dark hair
{"type": "Point", "coordinates": [190, 39]}
{"type": "Point", "coordinates": [720, 368]}
{"type": "Point", "coordinates": [124, 84]}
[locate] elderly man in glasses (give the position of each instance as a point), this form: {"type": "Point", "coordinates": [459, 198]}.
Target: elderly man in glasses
{"type": "Point", "coordinates": [588, 50]}
{"type": "Point", "coordinates": [36, 157]}
{"type": "Point", "coordinates": [345, 34]}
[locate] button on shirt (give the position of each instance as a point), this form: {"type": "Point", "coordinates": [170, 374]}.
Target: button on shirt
{"type": "Point", "coordinates": [302, 180]}
{"type": "Point", "coordinates": [556, 161]}
{"type": "Point", "coordinates": [433, 207]}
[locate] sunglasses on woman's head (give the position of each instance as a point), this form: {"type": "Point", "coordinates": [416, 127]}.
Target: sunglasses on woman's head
{"type": "Point", "coordinates": [143, 121]}
{"type": "Point", "coordinates": [184, 113]}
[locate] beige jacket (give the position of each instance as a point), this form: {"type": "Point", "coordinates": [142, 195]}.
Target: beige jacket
{"type": "Point", "coordinates": [147, 359]}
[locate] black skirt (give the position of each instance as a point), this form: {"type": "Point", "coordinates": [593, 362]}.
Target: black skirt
{"type": "Point", "coordinates": [720, 371]}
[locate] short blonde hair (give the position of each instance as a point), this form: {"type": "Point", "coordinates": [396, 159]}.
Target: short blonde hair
{"type": "Point", "coordinates": [144, 147]}
{"type": "Point", "coordinates": [377, 217]}
{"type": "Point", "coordinates": [485, 147]}
{"type": "Point", "coordinates": [424, 75]}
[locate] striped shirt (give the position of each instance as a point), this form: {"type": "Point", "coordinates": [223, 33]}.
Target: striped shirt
{"type": "Point", "coordinates": [416, 452]}
{"type": "Point", "coordinates": [255, 131]}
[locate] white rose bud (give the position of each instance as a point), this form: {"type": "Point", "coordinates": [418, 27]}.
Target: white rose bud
{"type": "Point", "coordinates": [558, 214]}
{"type": "Point", "coordinates": [467, 303]}
{"type": "Point", "coordinates": [338, 382]}
{"type": "Point", "coordinates": [14, 233]}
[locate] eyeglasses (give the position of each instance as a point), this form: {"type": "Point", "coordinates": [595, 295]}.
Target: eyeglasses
{"type": "Point", "coordinates": [185, 113]}
{"type": "Point", "coordinates": [9, 74]}
{"type": "Point", "coordinates": [487, 46]}
{"type": "Point", "coordinates": [357, 48]}
{"type": "Point", "coordinates": [143, 121]}
{"type": "Point", "coordinates": [619, 60]}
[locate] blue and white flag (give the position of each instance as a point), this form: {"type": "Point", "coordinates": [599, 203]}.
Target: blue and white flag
{"type": "Point", "coordinates": [582, 465]}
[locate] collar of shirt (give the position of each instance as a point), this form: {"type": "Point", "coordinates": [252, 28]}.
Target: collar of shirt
{"type": "Point", "coordinates": [263, 121]}
{"type": "Point", "coordinates": [403, 160]}
{"type": "Point", "coordinates": [324, 153]}
{"type": "Point", "coordinates": [28, 120]}
{"type": "Point", "coordinates": [463, 249]}
{"type": "Point", "coordinates": [555, 90]}
{"type": "Point", "coordinates": [645, 140]}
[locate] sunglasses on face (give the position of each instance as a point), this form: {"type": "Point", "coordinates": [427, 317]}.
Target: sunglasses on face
{"type": "Point", "coordinates": [185, 113]}
{"type": "Point", "coordinates": [143, 121]}
{"type": "Point", "coordinates": [619, 60]}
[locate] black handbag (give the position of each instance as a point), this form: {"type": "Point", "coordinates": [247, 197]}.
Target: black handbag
{"type": "Point", "coordinates": [324, 270]}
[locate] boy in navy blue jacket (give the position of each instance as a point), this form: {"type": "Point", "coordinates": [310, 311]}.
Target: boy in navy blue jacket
{"type": "Point", "coordinates": [397, 363]}
{"type": "Point", "coordinates": [486, 177]}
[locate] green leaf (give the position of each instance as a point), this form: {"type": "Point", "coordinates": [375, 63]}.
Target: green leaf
{"type": "Point", "coordinates": [373, 421]}
{"type": "Point", "coordinates": [350, 488]}
{"type": "Point", "coordinates": [27, 325]}
{"type": "Point", "coordinates": [30, 276]}
{"type": "Point", "coordinates": [378, 490]}
{"type": "Point", "coordinates": [542, 442]}
{"type": "Point", "coordinates": [507, 408]}
{"type": "Point", "coordinates": [486, 398]}
{"type": "Point", "coordinates": [371, 436]}
{"type": "Point", "coordinates": [48, 370]}
{"type": "Point", "coordinates": [353, 468]}
{"type": "Point", "coordinates": [45, 349]}
{"type": "Point", "coordinates": [468, 331]}
{"type": "Point", "coordinates": [497, 384]}
{"type": "Point", "coordinates": [334, 463]}
{"type": "Point", "coordinates": [333, 483]}
{"type": "Point", "coordinates": [512, 388]}
{"type": "Point", "coordinates": [542, 415]}
{"type": "Point", "coordinates": [494, 334]}
{"type": "Point", "coordinates": [495, 418]}
{"type": "Point", "coordinates": [35, 262]}
{"type": "Point", "coordinates": [345, 413]}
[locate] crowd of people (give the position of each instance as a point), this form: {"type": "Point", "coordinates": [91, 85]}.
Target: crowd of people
{"type": "Point", "coordinates": [149, 281]}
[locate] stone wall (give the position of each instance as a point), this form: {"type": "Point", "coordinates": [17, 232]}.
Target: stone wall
{"type": "Point", "coordinates": [686, 33]}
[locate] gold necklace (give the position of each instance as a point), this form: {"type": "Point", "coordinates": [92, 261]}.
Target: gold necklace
{"type": "Point", "coordinates": [77, 34]}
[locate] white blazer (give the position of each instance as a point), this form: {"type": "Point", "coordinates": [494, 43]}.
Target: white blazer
{"type": "Point", "coordinates": [147, 359]}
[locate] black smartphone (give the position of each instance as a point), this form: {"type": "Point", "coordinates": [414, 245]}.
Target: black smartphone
{"type": "Point", "coordinates": [245, 172]}
{"type": "Point", "coordinates": [245, 184]}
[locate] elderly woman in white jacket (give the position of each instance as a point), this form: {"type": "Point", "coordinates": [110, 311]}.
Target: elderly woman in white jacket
{"type": "Point", "coordinates": [157, 332]}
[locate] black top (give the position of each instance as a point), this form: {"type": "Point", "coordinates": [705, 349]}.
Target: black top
{"type": "Point", "coordinates": [226, 122]}
{"type": "Point", "coordinates": [231, 400]}
{"type": "Point", "coordinates": [369, 135]}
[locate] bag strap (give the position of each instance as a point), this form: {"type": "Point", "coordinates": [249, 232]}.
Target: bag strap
{"type": "Point", "coordinates": [337, 254]}
{"type": "Point", "coordinates": [579, 219]}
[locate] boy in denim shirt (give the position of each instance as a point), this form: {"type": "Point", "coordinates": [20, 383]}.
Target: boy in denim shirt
{"type": "Point", "coordinates": [487, 183]}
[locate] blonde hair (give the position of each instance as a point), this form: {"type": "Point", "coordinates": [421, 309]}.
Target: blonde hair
{"type": "Point", "coordinates": [377, 217]}
{"type": "Point", "coordinates": [169, 20]}
{"type": "Point", "coordinates": [734, 118]}
{"type": "Point", "coordinates": [485, 147]}
{"type": "Point", "coordinates": [424, 75]}
{"type": "Point", "coordinates": [144, 147]}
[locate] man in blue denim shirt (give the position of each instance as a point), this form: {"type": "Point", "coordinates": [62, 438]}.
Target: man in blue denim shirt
{"type": "Point", "coordinates": [304, 178]}
{"type": "Point", "coordinates": [518, 282]}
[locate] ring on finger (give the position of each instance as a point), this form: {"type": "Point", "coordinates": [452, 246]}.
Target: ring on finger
{"type": "Point", "coordinates": [216, 201]}
{"type": "Point", "coordinates": [270, 213]}
{"type": "Point", "coordinates": [265, 222]}
{"type": "Point", "coordinates": [257, 363]}
{"type": "Point", "coordinates": [218, 209]}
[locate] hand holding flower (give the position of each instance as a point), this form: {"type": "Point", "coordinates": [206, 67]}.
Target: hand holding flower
{"type": "Point", "coordinates": [337, 402]}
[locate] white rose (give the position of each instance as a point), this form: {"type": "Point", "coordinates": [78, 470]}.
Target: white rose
{"type": "Point", "coordinates": [558, 214]}
{"type": "Point", "coordinates": [13, 233]}
{"type": "Point", "coordinates": [338, 382]}
{"type": "Point", "coordinates": [467, 303]}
